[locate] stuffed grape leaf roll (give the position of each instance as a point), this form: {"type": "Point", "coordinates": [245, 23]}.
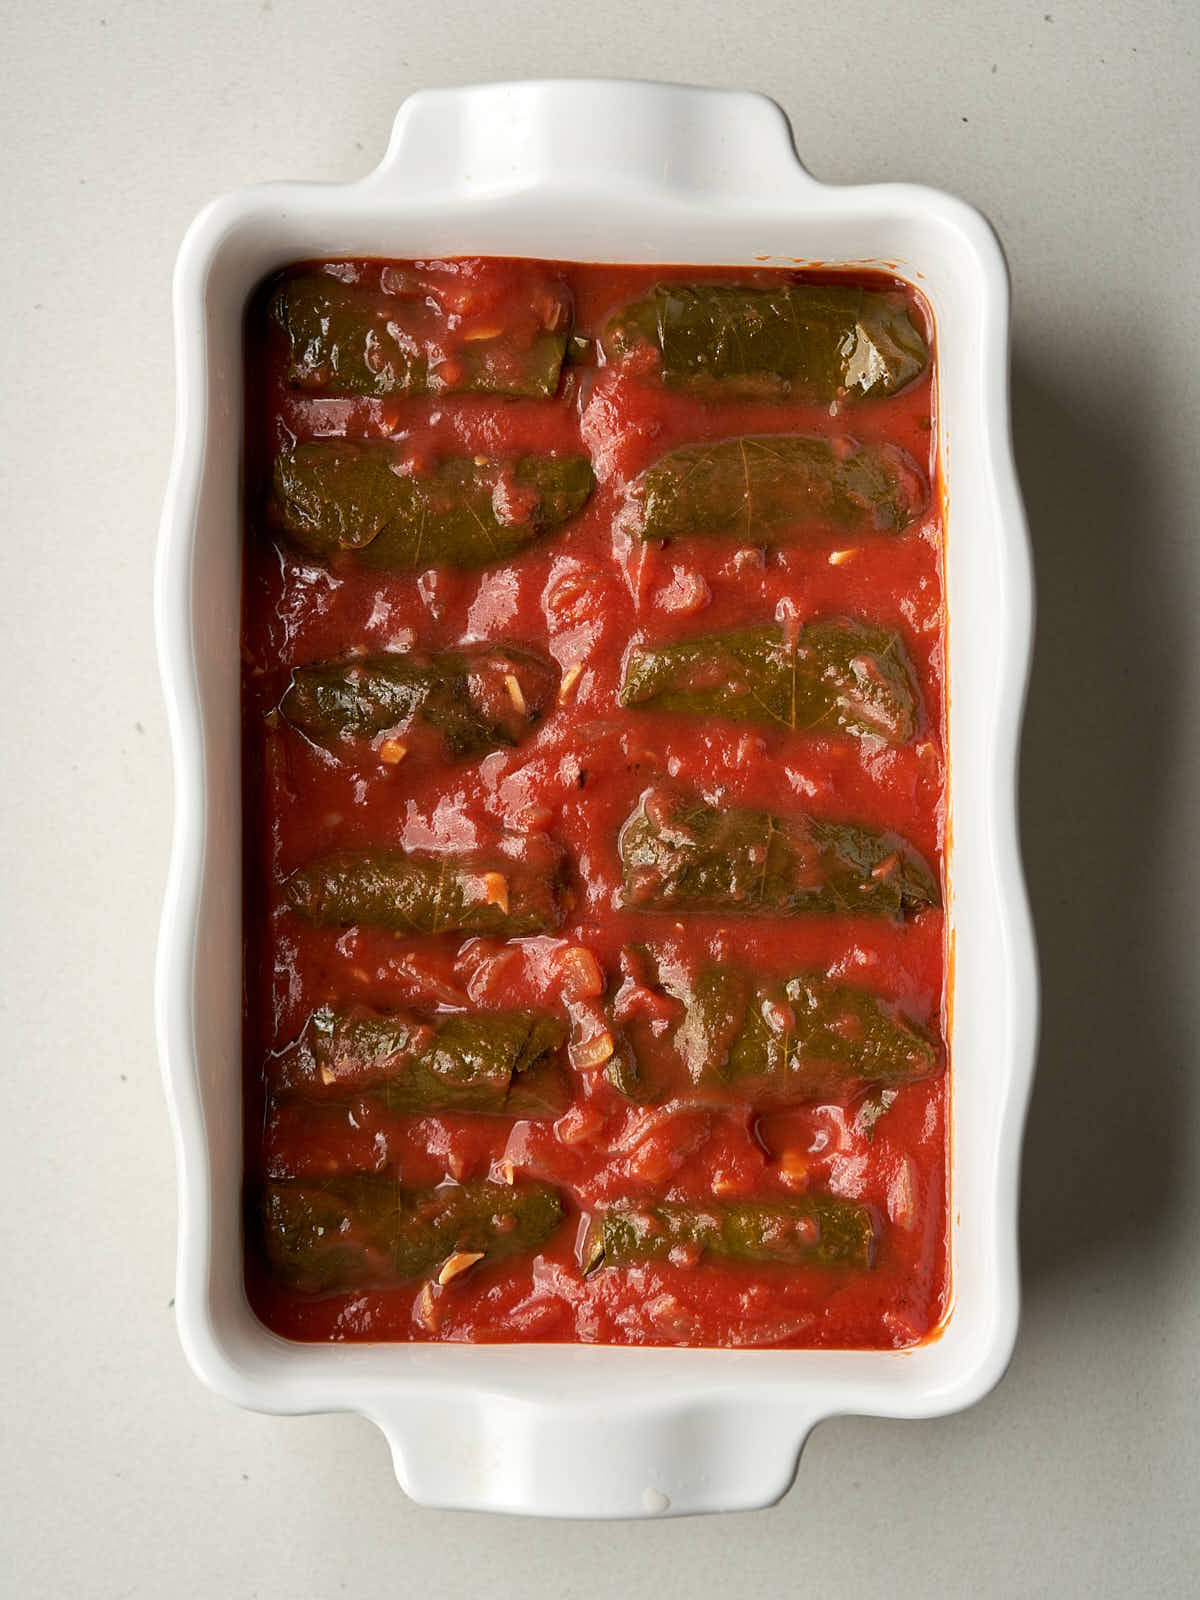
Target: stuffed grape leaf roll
{"type": "Point", "coordinates": [812, 1229]}
{"type": "Point", "coordinates": [839, 674]}
{"type": "Point", "coordinates": [420, 334]}
{"type": "Point", "coordinates": [773, 489]}
{"type": "Point", "coordinates": [816, 342]}
{"type": "Point", "coordinates": [679, 853]}
{"type": "Point", "coordinates": [367, 1232]}
{"type": "Point", "coordinates": [503, 1062]}
{"type": "Point", "coordinates": [425, 893]}
{"type": "Point", "coordinates": [333, 495]}
{"type": "Point", "coordinates": [478, 698]}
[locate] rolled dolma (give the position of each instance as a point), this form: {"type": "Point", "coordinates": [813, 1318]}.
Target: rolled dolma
{"type": "Point", "coordinates": [367, 1232]}
{"type": "Point", "coordinates": [479, 698]}
{"type": "Point", "coordinates": [804, 1039]}
{"type": "Point", "coordinates": [771, 489]}
{"type": "Point", "coordinates": [414, 893]}
{"type": "Point", "coordinates": [347, 340]}
{"type": "Point", "coordinates": [504, 1062]}
{"type": "Point", "coordinates": [818, 342]}
{"type": "Point", "coordinates": [815, 1228]}
{"type": "Point", "coordinates": [837, 674]}
{"type": "Point", "coordinates": [680, 854]}
{"type": "Point", "coordinates": [331, 495]}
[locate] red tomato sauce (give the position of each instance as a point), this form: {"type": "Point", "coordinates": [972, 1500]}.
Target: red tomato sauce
{"type": "Point", "coordinates": [582, 595]}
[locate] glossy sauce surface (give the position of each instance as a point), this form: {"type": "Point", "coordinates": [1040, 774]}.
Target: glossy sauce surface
{"type": "Point", "coordinates": [583, 595]}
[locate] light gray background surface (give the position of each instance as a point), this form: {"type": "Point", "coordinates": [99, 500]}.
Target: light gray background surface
{"type": "Point", "coordinates": [1075, 128]}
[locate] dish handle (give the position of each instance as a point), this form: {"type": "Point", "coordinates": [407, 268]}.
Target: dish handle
{"type": "Point", "coordinates": [499, 1453]}
{"type": "Point", "coordinates": [510, 136]}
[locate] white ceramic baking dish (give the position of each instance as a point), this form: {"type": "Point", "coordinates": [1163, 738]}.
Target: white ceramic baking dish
{"type": "Point", "coordinates": [624, 172]}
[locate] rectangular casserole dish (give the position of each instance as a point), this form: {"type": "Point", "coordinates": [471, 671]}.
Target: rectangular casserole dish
{"type": "Point", "coordinates": [621, 172]}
